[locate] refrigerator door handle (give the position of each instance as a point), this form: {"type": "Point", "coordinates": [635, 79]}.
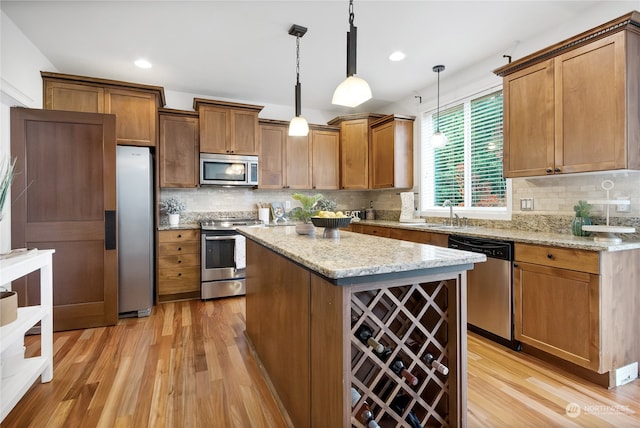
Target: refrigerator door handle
{"type": "Point", "coordinates": [110, 230]}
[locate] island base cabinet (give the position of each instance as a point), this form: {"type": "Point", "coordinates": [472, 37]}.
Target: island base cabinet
{"type": "Point", "coordinates": [304, 331]}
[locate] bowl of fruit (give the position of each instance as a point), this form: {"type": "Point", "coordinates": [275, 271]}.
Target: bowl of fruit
{"type": "Point", "coordinates": [331, 221]}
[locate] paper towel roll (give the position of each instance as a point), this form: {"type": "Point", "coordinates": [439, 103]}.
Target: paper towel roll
{"type": "Point", "coordinates": [406, 198]}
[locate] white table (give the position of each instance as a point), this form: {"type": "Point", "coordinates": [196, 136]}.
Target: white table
{"type": "Point", "coordinates": [14, 387]}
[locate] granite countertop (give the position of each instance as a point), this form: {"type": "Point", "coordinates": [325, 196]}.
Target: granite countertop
{"type": "Point", "coordinates": [356, 255]}
{"type": "Point", "coordinates": [529, 237]}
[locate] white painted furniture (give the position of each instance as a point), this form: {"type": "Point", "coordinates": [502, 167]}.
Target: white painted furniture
{"type": "Point", "coordinates": [12, 388]}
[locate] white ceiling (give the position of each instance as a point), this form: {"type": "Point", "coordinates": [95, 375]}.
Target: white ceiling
{"type": "Point", "coordinates": [241, 49]}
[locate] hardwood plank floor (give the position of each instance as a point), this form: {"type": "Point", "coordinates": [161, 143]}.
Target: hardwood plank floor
{"type": "Point", "coordinates": [188, 365]}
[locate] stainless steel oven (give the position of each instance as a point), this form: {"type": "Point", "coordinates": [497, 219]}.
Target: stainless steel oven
{"type": "Point", "coordinates": [223, 263]}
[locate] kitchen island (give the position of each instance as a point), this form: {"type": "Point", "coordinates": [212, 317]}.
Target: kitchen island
{"type": "Point", "coordinates": [312, 303]}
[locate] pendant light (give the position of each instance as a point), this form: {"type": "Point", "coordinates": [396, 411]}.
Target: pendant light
{"type": "Point", "coordinates": [438, 140]}
{"type": "Point", "coordinates": [354, 90]}
{"type": "Point", "coordinates": [298, 125]}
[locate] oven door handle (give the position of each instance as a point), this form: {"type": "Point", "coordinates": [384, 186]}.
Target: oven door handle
{"type": "Point", "coordinates": [221, 238]}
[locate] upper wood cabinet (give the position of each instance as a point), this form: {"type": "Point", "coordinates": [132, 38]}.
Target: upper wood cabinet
{"type": "Point", "coordinates": [178, 148]}
{"type": "Point", "coordinates": [227, 128]}
{"type": "Point", "coordinates": [573, 107]}
{"type": "Point", "coordinates": [354, 149]}
{"type": "Point", "coordinates": [309, 162]}
{"type": "Point", "coordinates": [391, 161]}
{"type": "Point", "coordinates": [134, 105]}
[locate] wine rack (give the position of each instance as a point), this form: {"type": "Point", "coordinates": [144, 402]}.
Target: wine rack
{"type": "Point", "coordinates": [411, 321]}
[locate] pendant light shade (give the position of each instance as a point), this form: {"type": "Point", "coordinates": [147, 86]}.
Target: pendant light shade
{"type": "Point", "coordinates": [438, 139]}
{"type": "Point", "coordinates": [354, 90]}
{"type": "Point", "coordinates": [298, 125]}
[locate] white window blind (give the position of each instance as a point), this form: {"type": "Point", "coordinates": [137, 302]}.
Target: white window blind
{"type": "Point", "coordinates": [468, 170]}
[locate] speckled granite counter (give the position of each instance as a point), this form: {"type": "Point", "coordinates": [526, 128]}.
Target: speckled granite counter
{"type": "Point", "coordinates": [355, 255]}
{"type": "Point", "coordinates": [541, 238]}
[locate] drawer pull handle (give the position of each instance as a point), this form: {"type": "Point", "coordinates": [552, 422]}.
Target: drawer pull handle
{"type": "Point", "coordinates": [179, 248]}
{"type": "Point", "coordinates": [179, 236]}
{"type": "Point", "coordinates": [179, 273]}
{"type": "Point", "coordinates": [550, 256]}
{"type": "Point", "coordinates": [179, 261]}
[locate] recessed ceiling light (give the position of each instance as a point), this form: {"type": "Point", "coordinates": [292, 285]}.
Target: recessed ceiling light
{"type": "Point", "coordinates": [397, 56]}
{"type": "Point", "coordinates": [143, 63]}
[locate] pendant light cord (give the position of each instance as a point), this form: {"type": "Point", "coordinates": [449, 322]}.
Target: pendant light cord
{"type": "Point", "coordinates": [438, 115]}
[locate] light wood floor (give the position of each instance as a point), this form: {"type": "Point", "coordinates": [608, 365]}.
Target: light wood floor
{"type": "Point", "coordinates": [188, 365]}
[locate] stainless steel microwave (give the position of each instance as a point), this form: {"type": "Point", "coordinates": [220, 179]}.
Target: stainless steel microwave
{"type": "Point", "coordinates": [228, 170]}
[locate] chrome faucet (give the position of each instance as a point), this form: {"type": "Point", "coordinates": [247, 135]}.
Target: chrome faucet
{"type": "Point", "coordinates": [447, 203]}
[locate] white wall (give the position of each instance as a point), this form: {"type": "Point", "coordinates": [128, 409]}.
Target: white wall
{"type": "Point", "coordinates": [20, 85]}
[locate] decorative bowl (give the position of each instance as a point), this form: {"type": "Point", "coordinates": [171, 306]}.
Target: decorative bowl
{"type": "Point", "coordinates": [331, 222]}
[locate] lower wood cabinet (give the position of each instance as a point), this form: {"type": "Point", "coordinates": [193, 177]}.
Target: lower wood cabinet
{"type": "Point", "coordinates": [178, 264]}
{"type": "Point", "coordinates": [578, 305]}
{"type": "Point", "coordinates": [419, 236]}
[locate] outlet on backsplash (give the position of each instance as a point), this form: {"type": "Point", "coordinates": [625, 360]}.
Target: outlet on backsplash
{"type": "Point", "coordinates": [526, 204]}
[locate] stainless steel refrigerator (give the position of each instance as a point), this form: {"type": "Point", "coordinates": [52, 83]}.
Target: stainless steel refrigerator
{"type": "Point", "coordinates": [135, 231]}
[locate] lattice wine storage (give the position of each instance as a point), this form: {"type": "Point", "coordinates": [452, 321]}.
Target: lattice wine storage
{"type": "Point", "coordinates": [410, 322]}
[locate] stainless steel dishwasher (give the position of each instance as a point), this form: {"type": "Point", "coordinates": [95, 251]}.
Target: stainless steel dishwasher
{"type": "Point", "coordinates": [490, 288]}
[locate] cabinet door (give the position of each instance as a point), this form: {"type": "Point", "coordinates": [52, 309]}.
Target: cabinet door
{"type": "Point", "coordinates": [354, 154]}
{"type": "Point", "coordinates": [298, 163]}
{"type": "Point", "coordinates": [382, 156]}
{"type": "Point", "coordinates": [590, 107]}
{"type": "Point", "coordinates": [528, 122]}
{"type": "Point", "coordinates": [215, 130]}
{"type": "Point", "coordinates": [179, 151]}
{"type": "Point", "coordinates": [72, 97]}
{"type": "Point", "coordinates": [272, 141]}
{"type": "Point", "coordinates": [244, 132]}
{"type": "Point", "coordinates": [325, 163]}
{"type": "Point", "coordinates": [136, 114]}
{"type": "Point", "coordinates": [557, 311]}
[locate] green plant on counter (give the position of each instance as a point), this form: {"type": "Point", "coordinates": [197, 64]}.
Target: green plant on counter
{"type": "Point", "coordinates": [308, 208]}
{"type": "Point", "coordinates": [582, 209]}
{"type": "Point", "coordinates": [172, 206]}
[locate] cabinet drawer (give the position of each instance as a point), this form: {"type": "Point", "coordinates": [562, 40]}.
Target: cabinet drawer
{"type": "Point", "coordinates": [179, 235]}
{"type": "Point", "coordinates": [174, 286]}
{"type": "Point", "coordinates": [173, 248]}
{"type": "Point", "coordinates": [565, 258]}
{"type": "Point", "coordinates": [178, 260]}
{"type": "Point", "coordinates": [186, 273]}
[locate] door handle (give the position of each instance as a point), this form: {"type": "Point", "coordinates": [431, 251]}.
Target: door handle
{"type": "Point", "coordinates": [110, 238]}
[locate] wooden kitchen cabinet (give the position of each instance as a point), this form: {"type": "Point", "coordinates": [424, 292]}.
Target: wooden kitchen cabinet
{"type": "Point", "coordinates": [297, 162]}
{"type": "Point", "coordinates": [178, 149]}
{"type": "Point", "coordinates": [227, 128]}
{"type": "Point", "coordinates": [354, 149]}
{"type": "Point", "coordinates": [391, 161]}
{"type": "Point", "coordinates": [178, 264]}
{"type": "Point", "coordinates": [573, 107]}
{"type": "Point", "coordinates": [579, 306]}
{"type": "Point", "coordinates": [134, 105]}
{"type": "Point", "coordinates": [419, 236]}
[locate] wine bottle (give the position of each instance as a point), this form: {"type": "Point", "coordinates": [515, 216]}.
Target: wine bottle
{"type": "Point", "coordinates": [365, 335]}
{"type": "Point", "coordinates": [399, 368]}
{"type": "Point", "coordinates": [398, 405]}
{"type": "Point", "coordinates": [364, 413]}
{"type": "Point", "coordinates": [434, 364]}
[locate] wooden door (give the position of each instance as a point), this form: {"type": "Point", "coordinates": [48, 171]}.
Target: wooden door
{"type": "Point", "coordinates": [354, 154]}
{"type": "Point", "coordinates": [244, 132]}
{"type": "Point", "coordinates": [64, 197]}
{"type": "Point", "coordinates": [136, 113]}
{"type": "Point", "coordinates": [590, 107]}
{"type": "Point", "coordinates": [325, 168]}
{"type": "Point", "coordinates": [528, 122]}
{"type": "Point", "coordinates": [215, 129]}
{"type": "Point", "coordinates": [272, 141]}
{"type": "Point", "coordinates": [179, 150]}
{"type": "Point", "coordinates": [298, 162]}
{"type": "Point", "coordinates": [557, 311]}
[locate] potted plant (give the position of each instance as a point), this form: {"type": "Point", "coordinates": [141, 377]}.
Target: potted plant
{"type": "Point", "coordinates": [173, 206]}
{"type": "Point", "coordinates": [582, 209]}
{"type": "Point", "coordinates": [6, 178]}
{"type": "Point", "coordinates": [304, 212]}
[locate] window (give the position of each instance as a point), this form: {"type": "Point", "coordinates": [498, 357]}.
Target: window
{"type": "Point", "coordinates": [468, 170]}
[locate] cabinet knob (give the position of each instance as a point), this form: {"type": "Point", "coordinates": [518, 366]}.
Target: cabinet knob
{"type": "Point", "coordinates": [550, 256]}
{"type": "Point", "coordinates": [179, 273]}
{"type": "Point", "coordinates": [557, 170]}
{"type": "Point", "coordinates": [179, 248]}
{"type": "Point", "coordinates": [179, 236]}
{"type": "Point", "coordinates": [179, 261]}
{"type": "Point", "coordinates": [549, 171]}
{"type": "Point", "coordinates": [515, 265]}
